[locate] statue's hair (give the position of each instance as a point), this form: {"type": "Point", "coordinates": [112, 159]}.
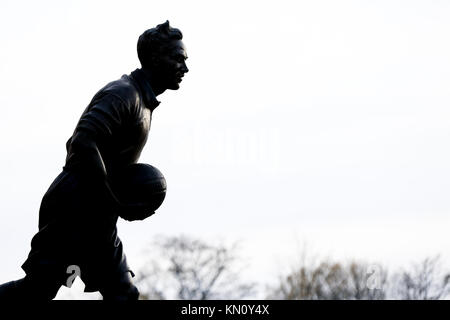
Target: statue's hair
{"type": "Point", "coordinates": [155, 41]}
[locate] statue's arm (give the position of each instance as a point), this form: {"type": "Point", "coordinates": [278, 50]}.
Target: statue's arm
{"type": "Point", "coordinates": [96, 127]}
{"type": "Point", "coordinates": [87, 149]}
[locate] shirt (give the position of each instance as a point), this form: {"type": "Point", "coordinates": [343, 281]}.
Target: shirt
{"type": "Point", "coordinates": [118, 119]}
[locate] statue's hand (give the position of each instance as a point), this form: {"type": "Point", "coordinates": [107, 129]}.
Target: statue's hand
{"type": "Point", "coordinates": [133, 212]}
{"type": "Point", "coordinates": [129, 212]}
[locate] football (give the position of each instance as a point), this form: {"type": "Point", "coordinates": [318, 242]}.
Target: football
{"type": "Point", "coordinates": [140, 183]}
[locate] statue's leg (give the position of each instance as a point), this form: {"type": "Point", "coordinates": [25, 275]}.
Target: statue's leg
{"type": "Point", "coordinates": [30, 288]}
{"type": "Point", "coordinates": [9, 291]}
{"type": "Point", "coordinates": [121, 289]}
{"type": "Point", "coordinates": [110, 274]}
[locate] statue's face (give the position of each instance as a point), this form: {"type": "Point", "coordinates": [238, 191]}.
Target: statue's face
{"type": "Point", "coordinates": [172, 65]}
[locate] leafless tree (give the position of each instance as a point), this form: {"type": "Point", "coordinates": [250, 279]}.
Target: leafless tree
{"type": "Point", "coordinates": [332, 281]}
{"type": "Point", "coordinates": [315, 278]}
{"type": "Point", "coordinates": [424, 281]}
{"type": "Point", "coordinates": [326, 280]}
{"type": "Point", "coordinates": [191, 269]}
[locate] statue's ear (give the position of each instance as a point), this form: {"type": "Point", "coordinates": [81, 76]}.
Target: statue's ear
{"type": "Point", "coordinates": [156, 60]}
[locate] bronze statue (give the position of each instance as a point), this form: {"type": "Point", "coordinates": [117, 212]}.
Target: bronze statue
{"type": "Point", "coordinates": [79, 211]}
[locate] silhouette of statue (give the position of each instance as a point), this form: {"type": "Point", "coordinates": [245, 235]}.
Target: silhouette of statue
{"type": "Point", "coordinates": [79, 211]}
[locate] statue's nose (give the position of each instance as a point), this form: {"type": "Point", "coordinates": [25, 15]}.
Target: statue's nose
{"type": "Point", "coordinates": [185, 68]}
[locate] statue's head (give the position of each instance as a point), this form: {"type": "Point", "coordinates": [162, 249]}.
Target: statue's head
{"type": "Point", "coordinates": [161, 51]}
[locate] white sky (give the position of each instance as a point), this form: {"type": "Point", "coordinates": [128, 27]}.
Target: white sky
{"type": "Point", "coordinates": [324, 121]}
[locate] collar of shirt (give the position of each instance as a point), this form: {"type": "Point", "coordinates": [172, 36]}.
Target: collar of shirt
{"type": "Point", "coordinates": [144, 85]}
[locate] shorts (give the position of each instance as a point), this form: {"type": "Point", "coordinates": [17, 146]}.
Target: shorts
{"type": "Point", "coordinates": [77, 231]}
